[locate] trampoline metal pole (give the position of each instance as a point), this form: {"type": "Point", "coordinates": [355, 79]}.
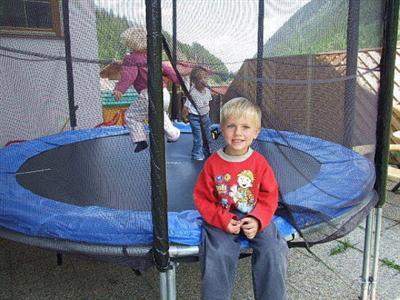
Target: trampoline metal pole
{"type": "Point", "coordinates": [175, 109]}
{"type": "Point", "coordinates": [385, 97]}
{"type": "Point", "coordinates": [168, 283]}
{"type": "Point", "coordinates": [385, 103]}
{"type": "Point", "coordinates": [171, 282]}
{"type": "Point", "coordinates": [260, 48]}
{"type": "Point", "coordinates": [68, 61]}
{"type": "Point", "coordinates": [378, 226]}
{"type": "Point", "coordinates": [366, 257]}
{"type": "Point", "coordinates": [163, 286]}
{"type": "Point", "coordinates": [351, 70]}
{"type": "Point", "coordinates": [181, 251]}
{"type": "Point", "coordinates": [159, 206]}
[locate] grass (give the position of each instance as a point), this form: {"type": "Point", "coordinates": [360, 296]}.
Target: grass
{"type": "Point", "coordinates": [391, 264]}
{"type": "Point", "coordinates": [342, 247]}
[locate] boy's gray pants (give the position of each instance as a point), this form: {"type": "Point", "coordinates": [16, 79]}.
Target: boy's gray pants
{"type": "Point", "coordinates": [219, 255]}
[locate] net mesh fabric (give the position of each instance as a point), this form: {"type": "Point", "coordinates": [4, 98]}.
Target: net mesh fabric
{"type": "Point", "coordinates": [304, 87]}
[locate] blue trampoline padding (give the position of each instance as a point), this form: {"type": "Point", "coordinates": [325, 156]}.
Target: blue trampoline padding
{"type": "Point", "coordinates": [345, 176]}
{"type": "Point", "coordinates": [25, 212]}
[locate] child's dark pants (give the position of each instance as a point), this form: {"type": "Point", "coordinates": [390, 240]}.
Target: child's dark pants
{"type": "Point", "coordinates": [219, 255]}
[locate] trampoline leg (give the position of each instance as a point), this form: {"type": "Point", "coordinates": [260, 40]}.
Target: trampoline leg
{"type": "Point", "coordinates": [163, 286]}
{"type": "Point", "coordinates": [137, 272]}
{"type": "Point", "coordinates": [171, 282]}
{"type": "Point", "coordinates": [375, 262]}
{"type": "Point", "coordinates": [366, 258]}
{"type": "Point", "coordinates": [168, 284]}
{"type": "Point", "coordinates": [59, 259]}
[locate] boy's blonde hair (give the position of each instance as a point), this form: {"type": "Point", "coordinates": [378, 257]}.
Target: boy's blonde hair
{"type": "Point", "coordinates": [135, 38]}
{"type": "Point", "coordinates": [241, 107]}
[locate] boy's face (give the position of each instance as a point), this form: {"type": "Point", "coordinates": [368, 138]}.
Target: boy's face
{"type": "Point", "coordinates": [239, 133]}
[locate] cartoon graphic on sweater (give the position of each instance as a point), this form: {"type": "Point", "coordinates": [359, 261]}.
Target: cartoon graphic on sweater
{"type": "Point", "coordinates": [241, 192]}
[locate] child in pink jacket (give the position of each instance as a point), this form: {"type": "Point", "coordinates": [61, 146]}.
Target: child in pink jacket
{"type": "Point", "coordinates": [134, 72]}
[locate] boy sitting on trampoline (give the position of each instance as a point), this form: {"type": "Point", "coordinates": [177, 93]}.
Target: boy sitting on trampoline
{"type": "Point", "coordinates": [237, 195]}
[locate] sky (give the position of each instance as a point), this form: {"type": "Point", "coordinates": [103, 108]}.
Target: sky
{"type": "Point", "coordinates": [226, 28]}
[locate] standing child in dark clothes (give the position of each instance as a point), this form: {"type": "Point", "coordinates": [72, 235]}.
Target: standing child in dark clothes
{"type": "Point", "coordinates": [237, 195]}
{"type": "Point", "coordinates": [201, 95]}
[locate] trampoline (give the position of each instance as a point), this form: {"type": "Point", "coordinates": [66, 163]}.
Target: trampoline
{"type": "Point", "coordinates": [58, 186]}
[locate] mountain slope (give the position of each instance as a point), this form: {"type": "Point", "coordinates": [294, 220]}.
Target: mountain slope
{"type": "Point", "coordinates": [320, 26]}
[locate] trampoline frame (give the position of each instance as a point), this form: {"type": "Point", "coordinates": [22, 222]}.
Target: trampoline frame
{"type": "Point", "coordinates": [355, 166]}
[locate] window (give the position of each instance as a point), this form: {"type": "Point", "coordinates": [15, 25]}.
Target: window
{"type": "Point", "coordinates": [30, 17]}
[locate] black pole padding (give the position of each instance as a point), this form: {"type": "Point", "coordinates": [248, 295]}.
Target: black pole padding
{"type": "Point", "coordinates": [385, 97]}
{"type": "Point", "coordinates": [159, 206]}
{"type": "Point", "coordinates": [353, 24]}
{"type": "Point", "coordinates": [68, 60]}
{"type": "Point", "coordinates": [204, 130]}
{"type": "Point", "coordinates": [175, 105]}
{"type": "Point", "coordinates": [260, 53]}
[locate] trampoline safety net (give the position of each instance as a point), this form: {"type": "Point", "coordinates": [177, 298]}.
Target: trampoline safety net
{"type": "Point", "coordinates": [96, 144]}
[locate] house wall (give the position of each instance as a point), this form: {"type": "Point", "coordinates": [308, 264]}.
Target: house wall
{"type": "Point", "coordinates": [306, 94]}
{"type": "Point", "coordinates": [34, 96]}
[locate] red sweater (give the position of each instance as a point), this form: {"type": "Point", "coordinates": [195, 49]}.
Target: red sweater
{"type": "Point", "coordinates": [246, 183]}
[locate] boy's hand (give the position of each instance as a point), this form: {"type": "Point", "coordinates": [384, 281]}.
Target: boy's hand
{"type": "Point", "coordinates": [250, 226]}
{"type": "Point", "coordinates": [117, 94]}
{"type": "Point", "coordinates": [233, 226]}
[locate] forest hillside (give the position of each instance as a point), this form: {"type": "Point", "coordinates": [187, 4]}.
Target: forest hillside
{"type": "Point", "coordinates": [321, 26]}
{"type": "Point", "coordinates": [109, 28]}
